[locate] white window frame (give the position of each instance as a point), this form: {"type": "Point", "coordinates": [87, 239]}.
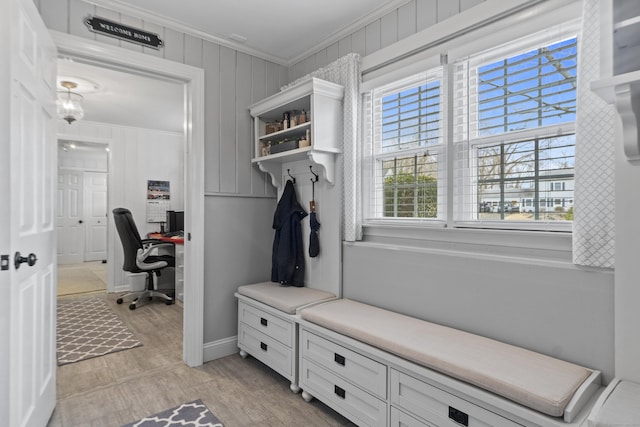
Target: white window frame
{"type": "Point", "coordinates": [447, 150]}
{"type": "Point", "coordinates": [372, 198]}
{"type": "Point", "coordinates": [509, 49]}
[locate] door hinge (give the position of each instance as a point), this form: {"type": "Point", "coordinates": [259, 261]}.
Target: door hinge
{"type": "Point", "coordinates": [4, 262]}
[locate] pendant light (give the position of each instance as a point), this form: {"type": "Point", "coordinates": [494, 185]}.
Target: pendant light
{"type": "Point", "coordinates": [69, 107]}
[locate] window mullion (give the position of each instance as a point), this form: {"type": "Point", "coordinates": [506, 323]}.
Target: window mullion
{"type": "Point", "coordinates": [536, 182]}
{"type": "Point", "coordinates": [415, 186]}
{"type": "Point", "coordinates": [395, 186]}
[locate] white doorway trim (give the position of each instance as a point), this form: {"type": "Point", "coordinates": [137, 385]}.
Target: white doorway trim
{"type": "Point", "coordinates": [193, 78]}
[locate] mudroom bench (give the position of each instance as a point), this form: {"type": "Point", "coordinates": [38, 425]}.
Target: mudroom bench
{"type": "Point", "coordinates": [267, 324]}
{"type": "Point", "coordinates": [380, 368]}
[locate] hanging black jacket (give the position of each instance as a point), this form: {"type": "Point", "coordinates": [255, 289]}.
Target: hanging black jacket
{"type": "Point", "coordinates": [287, 261]}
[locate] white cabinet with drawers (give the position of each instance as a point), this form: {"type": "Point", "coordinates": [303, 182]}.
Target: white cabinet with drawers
{"type": "Point", "coordinates": [439, 407]}
{"type": "Point", "coordinates": [269, 335]}
{"type": "Point", "coordinates": [345, 380]}
{"type": "Point", "coordinates": [372, 387]}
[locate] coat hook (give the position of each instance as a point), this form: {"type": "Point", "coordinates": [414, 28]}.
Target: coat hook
{"type": "Point", "coordinates": [312, 203]}
{"type": "Point", "coordinates": [314, 174]}
{"type": "Point", "coordinates": [291, 176]}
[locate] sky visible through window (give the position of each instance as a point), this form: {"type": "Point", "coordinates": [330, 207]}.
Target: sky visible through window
{"type": "Point", "coordinates": [411, 118]}
{"type": "Point", "coordinates": [533, 89]}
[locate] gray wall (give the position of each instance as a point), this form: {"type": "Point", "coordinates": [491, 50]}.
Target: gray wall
{"type": "Point", "coordinates": [241, 235]}
{"type": "Point", "coordinates": [550, 306]}
{"type": "Point", "coordinates": [554, 308]}
{"type": "Point", "coordinates": [233, 81]}
{"type": "Point", "coordinates": [398, 24]}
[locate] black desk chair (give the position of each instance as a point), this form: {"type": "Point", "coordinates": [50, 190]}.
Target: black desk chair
{"type": "Point", "coordinates": [138, 258]}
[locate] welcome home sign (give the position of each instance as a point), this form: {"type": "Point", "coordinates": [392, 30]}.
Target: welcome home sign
{"type": "Point", "coordinates": [123, 32]}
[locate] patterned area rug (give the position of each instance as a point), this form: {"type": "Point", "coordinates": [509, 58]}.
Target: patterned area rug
{"type": "Point", "coordinates": [89, 328]}
{"type": "Point", "coordinates": [192, 414]}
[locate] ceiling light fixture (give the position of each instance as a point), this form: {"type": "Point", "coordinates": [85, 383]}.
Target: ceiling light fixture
{"type": "Point", "coordinates": [69, 107]}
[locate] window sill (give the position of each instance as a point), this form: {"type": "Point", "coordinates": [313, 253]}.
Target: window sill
{"type": "Point", "coordinates": [534, 245]}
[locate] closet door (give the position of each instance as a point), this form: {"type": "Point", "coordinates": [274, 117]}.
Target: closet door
{"type": "Point", "coordinates": [70, 217]}
{"type": "Point", "coordinates": [95, 216]}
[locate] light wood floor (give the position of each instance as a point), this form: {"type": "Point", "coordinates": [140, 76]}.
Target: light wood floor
{"type": "Point", "coordinates": [123, 387]}
{"type": "Point", "coordinates": [84, 277]}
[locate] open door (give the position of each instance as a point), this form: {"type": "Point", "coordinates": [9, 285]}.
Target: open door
{"type": "Point", "coordinates": [27, 226]}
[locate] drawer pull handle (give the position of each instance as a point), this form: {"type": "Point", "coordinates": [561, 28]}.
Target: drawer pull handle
{"type": "Point", "coordinates": [263, 321]}
{"type": "Point", "coordinates": [263, 346]}
{"type": "Point", "coordinates": [458, 416]}
{"type": "Point", "coordinates": [339, 391]}
{"type": "Point", "coordinates": [338, 359]}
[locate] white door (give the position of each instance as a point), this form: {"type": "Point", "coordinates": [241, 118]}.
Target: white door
{"type": "Point", "coordinates": [95, 216]}
{"type": "Point", "coordinates": [27, 179]}
{"type": "Point", "coordinates": [70, 217]}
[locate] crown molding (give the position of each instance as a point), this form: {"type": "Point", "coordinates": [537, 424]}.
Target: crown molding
{"type": "Point", "coordinates": [350, 29]}
{"type": "Point", "coordinates": [173, 24]}
{"type": "Point", "coordinates": [146, 15]}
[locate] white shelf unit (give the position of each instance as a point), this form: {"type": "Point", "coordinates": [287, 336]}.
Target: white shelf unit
{"type": "Point", "coordinates": [620, 71]}
{"type": "Point", "coordinates": [322, 102]}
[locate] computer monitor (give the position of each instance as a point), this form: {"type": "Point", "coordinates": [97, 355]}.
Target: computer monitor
{"type": "Point", "coordinates": [175, 221]}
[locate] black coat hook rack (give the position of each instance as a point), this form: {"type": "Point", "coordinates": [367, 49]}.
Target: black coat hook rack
{"type": "Point", "coordinates": [293, 179]}
{"type": "Point", "coordinates": [312, 203]}
{"type": "Point", "coordinates": [314, 174]}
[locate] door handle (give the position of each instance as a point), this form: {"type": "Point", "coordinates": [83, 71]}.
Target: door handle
{"type": "Point", "coordinates": [19, 259]}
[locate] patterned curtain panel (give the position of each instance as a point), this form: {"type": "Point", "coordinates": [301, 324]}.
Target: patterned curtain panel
{"type": "Point", "coordinates": [594, 216]}
{"type": "Point", "coordinates": [346, 72]}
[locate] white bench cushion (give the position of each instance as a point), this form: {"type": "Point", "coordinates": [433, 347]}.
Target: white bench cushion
{"type": "Point", "coordinates": [532, 379]}
{"type": "Point", "coordinates": [283, 298]}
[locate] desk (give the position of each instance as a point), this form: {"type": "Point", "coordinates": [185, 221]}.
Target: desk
{"type": "Point", "coordinates": [179, 254]}
{"type": "Point", "coordinates": [178, 240]}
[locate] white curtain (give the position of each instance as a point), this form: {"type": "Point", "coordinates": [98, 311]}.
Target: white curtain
{"type": "Point", "coordinates": [345, 71]}
{"type": "Point", "coordinates": [594, 212]}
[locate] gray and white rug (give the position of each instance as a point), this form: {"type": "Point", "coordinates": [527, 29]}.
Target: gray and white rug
{"type": "Point", "coordinates": [192, 414]}
{"type": "Point", "coordinates": [89, 328]}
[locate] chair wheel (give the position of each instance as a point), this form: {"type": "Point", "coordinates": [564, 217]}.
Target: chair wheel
{"type": "Point", "coordinates": [132, 306]}
{"type": "Point", "coordinates": [168, 302]}
{"type": "Point", "coordinates": [119, 301]}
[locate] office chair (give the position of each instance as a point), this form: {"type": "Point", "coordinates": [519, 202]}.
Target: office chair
{"type": "Point", "coordinates": [138, 258]}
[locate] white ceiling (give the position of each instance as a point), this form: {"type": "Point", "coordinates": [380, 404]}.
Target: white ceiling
{"type": "Point", "coordinates": [283, 31]}
{"type": "Point", "coordinates": [125, 99]}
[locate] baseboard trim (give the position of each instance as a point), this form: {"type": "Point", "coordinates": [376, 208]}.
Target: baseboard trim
{"type": "Point", "coordinates": [216, 349]}
{"type": "Point", "coordinates": [121, 289]}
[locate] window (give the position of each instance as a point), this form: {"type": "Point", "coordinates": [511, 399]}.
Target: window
{"type": "Point", "coordinates": [521, 143]}
{"type": "Point", "coordinates": [511, 150]}
{"type": "Point", "coordinates": [406, 143]}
